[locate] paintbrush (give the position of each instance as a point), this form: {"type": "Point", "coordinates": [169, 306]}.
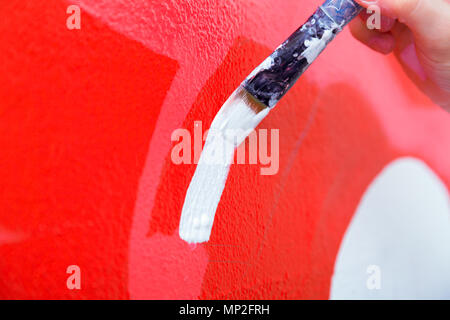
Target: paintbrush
{"type": "Point", "coordinates": [249, 105]}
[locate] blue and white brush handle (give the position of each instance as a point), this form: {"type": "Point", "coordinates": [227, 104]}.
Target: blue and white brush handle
{"type": "Point", "coordinates": [277, 74]}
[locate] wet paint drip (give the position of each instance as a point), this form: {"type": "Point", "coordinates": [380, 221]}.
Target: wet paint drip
{"type": "Point", "coordinates": [278, 73]}
{"type": "Point", "coordinates": [237, 118]}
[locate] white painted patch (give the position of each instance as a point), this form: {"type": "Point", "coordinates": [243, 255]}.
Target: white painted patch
{"type": "Point", "coordinates": [232, 124]}
{"type": "Point", "coordinates": [265, 65]}
{"type": "Point", "coordinates": [398, 244]}
{"type": "Point", "coordinates": [315, 46]}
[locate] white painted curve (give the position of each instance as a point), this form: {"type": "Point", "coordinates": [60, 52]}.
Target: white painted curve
{"type": "Point", "coordinates": [398, 243]}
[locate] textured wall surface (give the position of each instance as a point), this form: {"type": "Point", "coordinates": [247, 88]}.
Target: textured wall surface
{"type": "Point", "coordinates": [85, 171]}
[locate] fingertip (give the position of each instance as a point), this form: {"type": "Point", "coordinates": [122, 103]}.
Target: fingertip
{"type": "Point", "coordinates": [381, 23]}
{"type": "Point", "coordinates": [359, 30]}
{"type": "Point", "coordinates": [378, 41]}
{"type": "Point", "coordinates": [385, 8]}
{"type": "Point", "coordinates": [383, 43]}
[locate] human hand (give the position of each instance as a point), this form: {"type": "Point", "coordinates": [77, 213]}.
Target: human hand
{"type": "Point", "coordinates": [418, 32]}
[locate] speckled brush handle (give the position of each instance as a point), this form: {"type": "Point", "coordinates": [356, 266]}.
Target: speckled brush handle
{"type": "Point", "coordinates": [277, 74]}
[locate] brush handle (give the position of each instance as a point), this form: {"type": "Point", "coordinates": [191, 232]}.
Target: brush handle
{"type": "Point", "coordinates": [341, 11]}
{"type": "Point", "coordinates": [277, 74]}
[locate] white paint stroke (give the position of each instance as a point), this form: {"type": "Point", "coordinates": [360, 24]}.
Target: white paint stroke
{"type": "Point", "coordinates": [401, 229]}
{"type": "Point", "coordinates": [233, 123]}
{"type": "Point", "coordinates": [265, 65]}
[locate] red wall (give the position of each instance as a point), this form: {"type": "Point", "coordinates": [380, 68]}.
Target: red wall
{"type": "Point", "coordinates": [85, 171]}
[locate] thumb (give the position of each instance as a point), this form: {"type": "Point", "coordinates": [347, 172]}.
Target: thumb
{"type": "Point", "coordinates": [427, 19]}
